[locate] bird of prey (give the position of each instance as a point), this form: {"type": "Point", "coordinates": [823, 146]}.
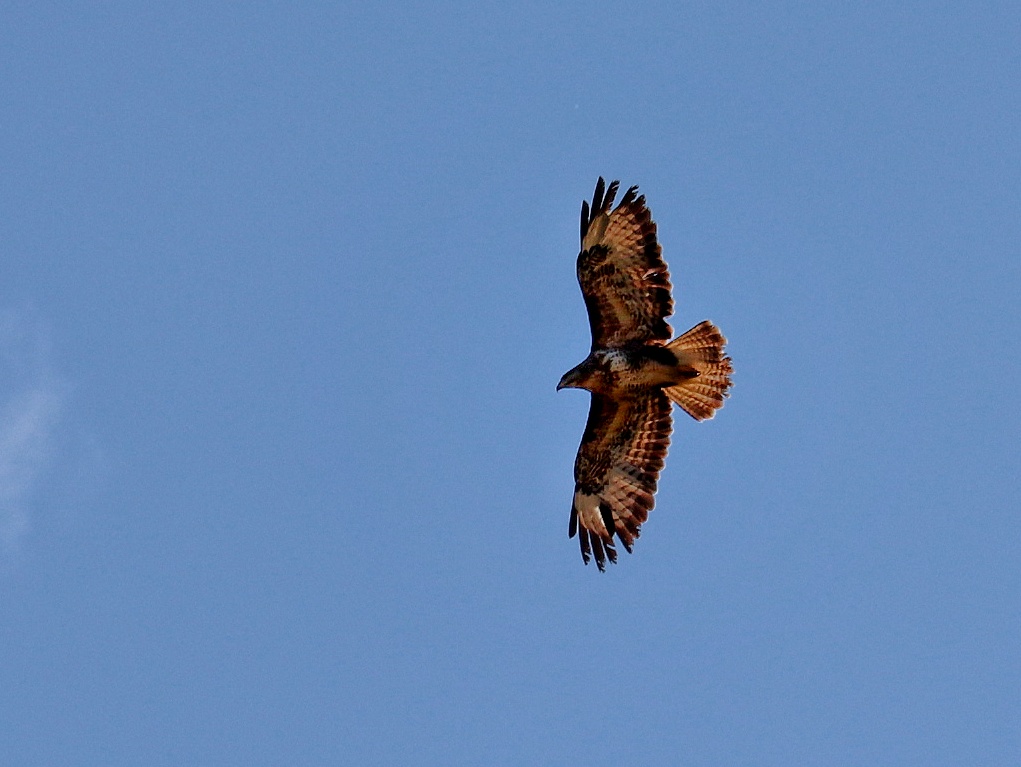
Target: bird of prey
{"type": "Point", "coordinates": [634, 371]}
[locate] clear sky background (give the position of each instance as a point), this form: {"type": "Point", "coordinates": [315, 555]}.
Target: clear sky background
{"type": "Point", "coordinates": [287, 288]}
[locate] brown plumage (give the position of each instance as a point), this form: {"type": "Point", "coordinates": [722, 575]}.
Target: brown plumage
{"type": "Point", "coordinates": [633, 371]}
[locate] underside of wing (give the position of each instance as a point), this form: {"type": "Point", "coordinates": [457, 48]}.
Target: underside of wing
{"type": "Point", "coordinates": [616, 471]}
{"type": "Point", "coordinates": [621, 271]}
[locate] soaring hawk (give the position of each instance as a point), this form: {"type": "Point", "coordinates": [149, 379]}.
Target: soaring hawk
{"type": "Point", "coordinates": [634, 371]}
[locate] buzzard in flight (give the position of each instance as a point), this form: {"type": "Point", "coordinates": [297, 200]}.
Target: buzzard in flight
{"type": "Point", "coordinates": [634, 371]}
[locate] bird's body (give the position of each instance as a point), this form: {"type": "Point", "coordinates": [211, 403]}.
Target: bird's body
{"type": "Point", "coordinates": [633, 371]}
{"type": "Point", "coordinates": [620, 371]}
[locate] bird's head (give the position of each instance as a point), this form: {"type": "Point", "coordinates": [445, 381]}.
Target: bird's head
{"type": "Point", "coordinates": [580, 377]}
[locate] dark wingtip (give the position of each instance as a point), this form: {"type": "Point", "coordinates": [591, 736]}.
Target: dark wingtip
{"type": "Point", "coordinates": [602, 200]}
{"type": "Point", "coordinates": [583, 541]}
{"type": "Point", "coordinates": [629, 197]}
{"type": "Point", "coordinates": [593, 546]}
{"type": "Point", "coordinates": [607, 514]}
{"type": "Point", "coordinates": [611, 551]}
{"type": "Point", "coordinates": [611, 192]}
{"type": "Point", "coordinates": [599, 553]}
{"type": "Point", "coordinates": [603, 550]}
{"type": "Point", "coordinates": [597, 196]}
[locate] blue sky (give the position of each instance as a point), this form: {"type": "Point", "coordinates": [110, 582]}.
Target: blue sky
{"type": "Point", "coordinates": [287, 289]}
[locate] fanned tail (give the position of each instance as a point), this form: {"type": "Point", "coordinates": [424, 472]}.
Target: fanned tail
{"type": "Point", "coordinates": [701, 350]}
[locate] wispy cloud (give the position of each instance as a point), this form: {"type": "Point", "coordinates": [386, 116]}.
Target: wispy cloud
{"type": "Point", "coordinates": [31, 401]}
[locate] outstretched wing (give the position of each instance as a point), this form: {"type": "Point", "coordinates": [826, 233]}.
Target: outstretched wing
{"type": "Point", "coordinates": [615, 474]}
{"type": "Point", "coordinates": [621, 270]}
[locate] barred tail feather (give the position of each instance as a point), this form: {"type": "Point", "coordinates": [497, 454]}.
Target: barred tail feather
{"type": "Point", "coordinates": [701, 349]}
